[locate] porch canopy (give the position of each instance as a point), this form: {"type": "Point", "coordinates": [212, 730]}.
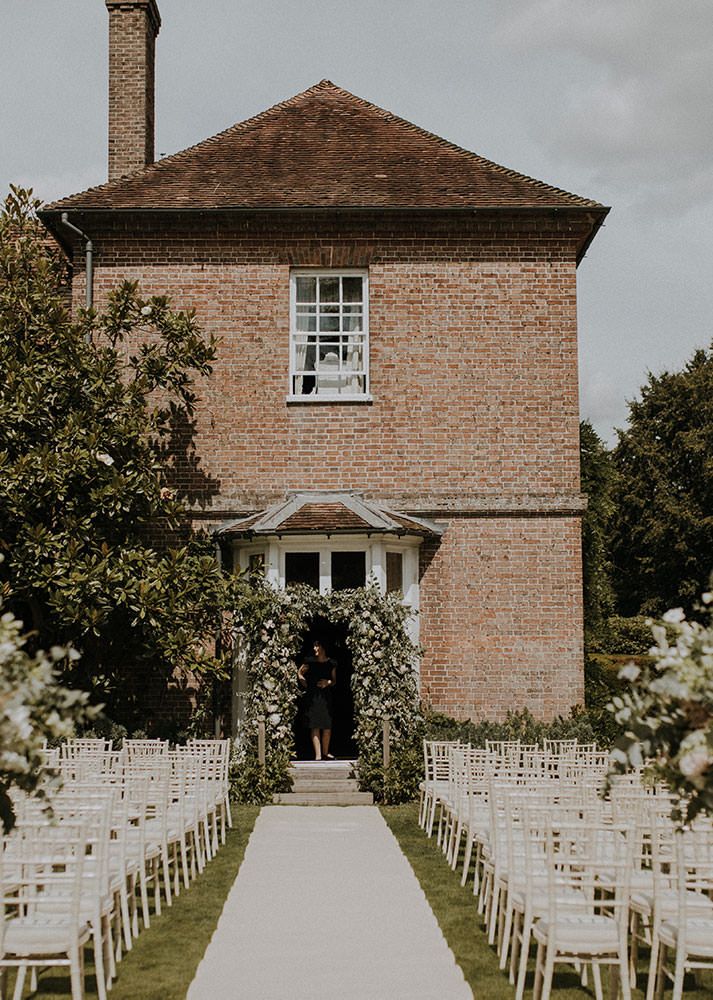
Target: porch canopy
{"type": "Point", "coordinates": [328, 512]}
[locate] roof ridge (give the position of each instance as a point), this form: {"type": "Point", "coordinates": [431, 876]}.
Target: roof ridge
{"type": "Point", "coordinates": [326, 85]}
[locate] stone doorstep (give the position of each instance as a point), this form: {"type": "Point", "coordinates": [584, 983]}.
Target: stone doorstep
{"type": "Point", "coordinates": [300, 785]}
{"type": "Point", "coordinates": [326, 798]}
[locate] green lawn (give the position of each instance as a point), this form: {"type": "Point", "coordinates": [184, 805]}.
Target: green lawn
{"type": "Point", "coordinates": [455, 910]}
{"type": "Point", "coordinates": [164, 958]}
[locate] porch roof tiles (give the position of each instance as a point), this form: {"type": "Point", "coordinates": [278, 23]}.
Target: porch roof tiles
{"type": "Point", "coordinates": [328, 512]}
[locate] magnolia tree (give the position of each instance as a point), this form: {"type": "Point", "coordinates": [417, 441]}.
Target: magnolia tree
{"type": "Point", "coordinates": [96, 414]}
{"type": "Point", "coordinates": [34, 707]}
{"type": "Point", "coordinates": [667, 711]}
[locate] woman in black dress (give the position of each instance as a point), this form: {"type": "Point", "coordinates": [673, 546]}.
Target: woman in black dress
{"type": "Point", "coordinates": [318, 675]}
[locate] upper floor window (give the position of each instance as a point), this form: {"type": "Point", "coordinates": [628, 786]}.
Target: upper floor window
{"type": "Point", "coordinates": [329, 338]}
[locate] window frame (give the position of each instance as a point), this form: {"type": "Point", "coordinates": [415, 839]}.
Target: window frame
{"type": "Point", "coordinates": [329, 397]}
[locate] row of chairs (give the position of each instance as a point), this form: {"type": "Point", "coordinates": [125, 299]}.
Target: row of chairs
{"type": "Point", "coordinates": [126, 827]}
{"type": "Point", "coordinates": [587, 876]}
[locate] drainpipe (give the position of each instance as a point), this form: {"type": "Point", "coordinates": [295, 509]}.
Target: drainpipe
{"type": "Point", "coordinates": [218, 650]}
{"type": "Point", "coordinates": [88, 256]}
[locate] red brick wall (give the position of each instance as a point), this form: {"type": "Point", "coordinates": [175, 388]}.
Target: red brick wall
{"type": "Point", "coordinates": [474, 413]}
{"type": "Point", "coordinates": [501, 616]}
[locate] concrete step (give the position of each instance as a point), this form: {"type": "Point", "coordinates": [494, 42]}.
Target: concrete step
{"type": "Point", "coordinates": [326, 798]}
{"type": "Point", "coordinates": [324, 772]}
{"type": "Point", "coordinates": [313, 785]}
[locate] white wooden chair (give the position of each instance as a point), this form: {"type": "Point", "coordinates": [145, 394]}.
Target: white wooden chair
{"type": "Point", "coordinates": [684, 924]}
{"type": "Point", "coordinates": [41, 882]}
{"type": "Point", "coordinates": [583, 924]}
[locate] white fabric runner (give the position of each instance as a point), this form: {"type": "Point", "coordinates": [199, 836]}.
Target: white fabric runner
{"type": "Point", "coordinates": [326, 906]}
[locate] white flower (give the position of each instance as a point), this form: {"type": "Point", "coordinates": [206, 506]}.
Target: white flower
{"type": "Point", "coordinates": [101, 456]}
{"type": "Point", "coordinates": [274, 719]}
{"type": "Point", "coordinates": [629, 672]}
{"type": "Point", "coordinates": [146, 311]}
{"type": "Point", "coordinates": [707, 598]}
{"type": "Point", "coordinates": [673, 616]}
{"type": "Point", "coordinates": [694, 763]}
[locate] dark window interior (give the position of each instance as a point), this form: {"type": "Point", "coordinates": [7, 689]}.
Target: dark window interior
{"type": "Point", "coordinates": [302, 567]}
{"type": "Point", "coordinates": [348, 570]}
{"type": "Point", "coordinates": [394, 572]}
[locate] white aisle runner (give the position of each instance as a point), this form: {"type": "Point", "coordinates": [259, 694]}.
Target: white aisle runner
{"type": "Point", "coordinates": [326, 907]}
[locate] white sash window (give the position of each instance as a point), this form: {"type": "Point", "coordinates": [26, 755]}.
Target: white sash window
{"type": "Point", "coordinates": [329, 335]}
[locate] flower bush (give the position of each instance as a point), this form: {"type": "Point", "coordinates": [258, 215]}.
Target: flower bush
{"type": "Point", "coordinates": [271, 625]}
{"type": "Point", "coordinates": [33, 708]}
{"type": "Point", "coordinates": [667, 711]}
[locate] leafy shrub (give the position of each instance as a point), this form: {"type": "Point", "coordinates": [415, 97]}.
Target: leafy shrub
{"type": "Point", "coordinates": [625, 636]}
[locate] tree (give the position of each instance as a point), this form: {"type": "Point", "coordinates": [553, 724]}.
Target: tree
{"type": "Point", "coordinates": [597, 483]}
{"type": "Point", "coordinates": [663, 531]}
{"type": "Point", "coordinates": [85, 426]}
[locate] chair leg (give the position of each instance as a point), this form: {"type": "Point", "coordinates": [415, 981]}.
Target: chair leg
{"type": "Point", "coordinates": [524, 953]}
{"type": "Point", "coordinates": [597, 979]}
{"type": "Point", "coordinates": [653, 967]}
{"type": "Point", "coordinates": [19, 983]}
{"type": "Point", "coordinates": [76, 972]}
{"type": "Point", "coordinates": [539, 970]}
{"type": "Point", "coordinates": [548, 973]}
{"type": "Point", "coordinates": [679, 971]}
{"type": "Point", "coordinates": [98, 945]}
{"type": "Point", "coordinates": [660, 974]}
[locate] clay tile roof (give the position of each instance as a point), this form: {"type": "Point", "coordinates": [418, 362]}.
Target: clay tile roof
{"type": "Point", "coordinates": [323, 148]}
{"type": "Point", "coordinates": [327, 513]}
{"type": "Point", "coordinates": [324, 517]}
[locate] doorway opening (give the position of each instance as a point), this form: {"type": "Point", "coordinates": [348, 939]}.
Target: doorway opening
{"type": "Point", "coordinates": [334, 637]}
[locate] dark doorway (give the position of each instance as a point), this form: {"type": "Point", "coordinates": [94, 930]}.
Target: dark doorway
{"type": "Point", "coordinates": [334, 637]}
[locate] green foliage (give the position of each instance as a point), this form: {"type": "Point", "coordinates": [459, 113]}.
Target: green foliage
{"type": "Point", "coordinates": [399, 782]}
{"type": "Point", "coordinates": [625, 636]}
{"type": "Point", "coordinates": [87, 411]}
{"type": "Point", "coordinates": [663, 531]}
{"type": "Point", "coordinates": [34, 707]}
{"type": "Point", "coordinates": [520, 725]}
{"type": "Point", "coordinates": [597, 483]}
{"type": "Point", "coordinates": [666, 713]}
{"type": "Point", "coordinates": [270, 628]}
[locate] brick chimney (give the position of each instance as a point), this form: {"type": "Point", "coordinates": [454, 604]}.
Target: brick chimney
{"type": "Point", "coordinates": [133, 27]}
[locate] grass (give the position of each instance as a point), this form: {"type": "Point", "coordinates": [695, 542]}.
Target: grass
{"type": "Point", "coordinates": [164, 959]}
{"type": "Point", "coordinates": [456, 912]}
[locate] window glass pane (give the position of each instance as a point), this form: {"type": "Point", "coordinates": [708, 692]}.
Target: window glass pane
{"type": "Point", "coordinates": [350, 323]}
{"type": "Point", "coordinates": [328, 323]}
{"type": "Point", "coordinates": [302, 567]}
{"type": "Point", "coordinates": [306, 289]}
{"type": "Point", "coordinates": [394, 572]}
{"type": "Point", "coordinates": [306, 321]}
{"type": "Point", "coordinates": [352, 358]}
{"type": "Point", "coordinates": [352, 289]}
{"type": "Point", "coordinates": [348, 570]}
{"type": "Point", "coordinates": [329, 289]}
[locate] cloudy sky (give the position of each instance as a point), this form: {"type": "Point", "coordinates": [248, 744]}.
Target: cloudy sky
{"type": "Point", "coordinates": [610, 99]}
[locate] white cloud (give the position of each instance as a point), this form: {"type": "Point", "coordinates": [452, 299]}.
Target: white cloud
{"type": "Point", "coordinates": [639, 98]}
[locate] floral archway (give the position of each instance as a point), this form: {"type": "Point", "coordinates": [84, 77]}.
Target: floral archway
{"type": "Point", "coordinates": [270, 627]}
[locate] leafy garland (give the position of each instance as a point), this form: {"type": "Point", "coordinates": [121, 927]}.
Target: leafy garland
{"type": "Point", "coordinates": [270, 627]}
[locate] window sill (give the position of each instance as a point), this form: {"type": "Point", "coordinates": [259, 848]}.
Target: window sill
{"type": "Point", "coordinates": [322, 398]}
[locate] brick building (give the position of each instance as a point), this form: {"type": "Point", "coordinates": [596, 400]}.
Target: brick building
{"type": "Point", "coordinates": [395, 393]}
